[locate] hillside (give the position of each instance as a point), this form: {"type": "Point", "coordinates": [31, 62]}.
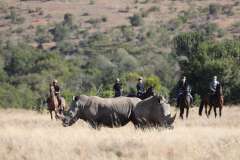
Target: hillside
{"type": "Point", "coordinates": [87, 44]}
{"type": "Point", "coordinates": [184, 15]}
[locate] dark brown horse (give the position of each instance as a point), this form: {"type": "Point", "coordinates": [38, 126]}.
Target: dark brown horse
{"type": "Point", "coordinates": [184, 102]}
{"type": "Point", "coordinates": [213, 100]}
{"type": "Point", "coordinates": [53, 103]}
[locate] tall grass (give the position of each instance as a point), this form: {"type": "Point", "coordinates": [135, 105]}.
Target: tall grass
{"type": "Point", "coordinates": [26, 135]}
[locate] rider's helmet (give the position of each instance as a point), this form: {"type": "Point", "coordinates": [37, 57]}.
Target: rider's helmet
{"type": "Point", "coordinates": [214, 78]}
{"type": "Point", "coordinates": [117, 80]}
{"type": "Point", "coordinates": [140, 78]}
{"type": "Point", "coordinates": [55, 81]}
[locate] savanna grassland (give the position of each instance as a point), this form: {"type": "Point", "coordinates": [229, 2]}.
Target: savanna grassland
{"type": "Point", "coordinates": [28, 135]}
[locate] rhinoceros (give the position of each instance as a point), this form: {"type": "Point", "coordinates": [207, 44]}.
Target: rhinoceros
{"type": "Point", "coordinates": [153, 112]}
{"type": "Point", "coordinates": [110, 112]}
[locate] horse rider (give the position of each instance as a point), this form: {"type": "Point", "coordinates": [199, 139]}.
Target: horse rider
{"type": "Point", "coordinates": [117, 87]}
{"type": "Point", "coordinates": [57, 91]}
{"type": "Point", "coordinates": [140, 87]}
{"type": "Point", "coordinates": [213, 85]}
{"type": "Point", "coordinates": [183, 87]}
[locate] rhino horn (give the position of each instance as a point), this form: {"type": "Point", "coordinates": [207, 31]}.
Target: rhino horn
{"type": "Point", "coordinates": [170, 120]}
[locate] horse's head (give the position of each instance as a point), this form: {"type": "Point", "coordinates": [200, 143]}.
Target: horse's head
{"type": "Point", "coordinates": [150, 91]}
{"type": "Point", "coordinates": [51, 89]}
{"type": "Point", "coordinates": [219, 91]}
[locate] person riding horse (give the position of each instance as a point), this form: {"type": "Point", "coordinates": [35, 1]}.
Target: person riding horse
{"type": "Point", "coordinates": [214, 98]}
{"type": "Point", "coordinates": [140, 87]}
{"type": "Point", "coordinates": [182, 88]}
{"type": "Point", "coordinates": [117, 87]}
{"type": "Point", "coordinates": [213, 85]}
{"type": "Point", "coordinates": [57, 91]}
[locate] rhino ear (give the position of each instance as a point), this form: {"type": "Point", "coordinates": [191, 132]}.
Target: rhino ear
{"type": "Point", "coordinates": [161, 99]}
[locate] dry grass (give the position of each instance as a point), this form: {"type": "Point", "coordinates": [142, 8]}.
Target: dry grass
{"type": "Point", "coordinates": [31, 136]}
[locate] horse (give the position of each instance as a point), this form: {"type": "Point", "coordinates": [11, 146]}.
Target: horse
{"type": "Point", "coordinates": [149, 92]}
{"type": "Point", "coordinates": [213, 100]}
{"type": "Point", "coordinates": [184, 102]}
{"type": "Point", "coordinates": [53, 104]}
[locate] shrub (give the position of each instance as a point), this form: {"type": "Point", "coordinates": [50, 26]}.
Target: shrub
{"type": "Point", "coordinates": [125, 10]}
{"type": "Point", "coordinates": [85, 14]}
{"type": "Point", "coordinates": [104, 19]}
{"type": "Point", "coordinates": [61, 32]}
{"type": "Point", "coordinates": [42, 35]}
{"type": "Point", "coordinates": [197, 99]}
{"type": "Point", "coordinates": [136, 20]}
{"type": "Point", "coordinates": [227, 9]}
{"type": "Point", "coordinates": [68, 19]}
{"type": "Point", "coordinates": [214, 9]}
{"type": "Point", "coordinates": [92, 2]}
{"type": "Point", "coordinates": [174, 24]}
{"type": "Point", "coordinates": [18, 30]}
{"type": "Point", "coordinates": [94, 21]}
{"type": "Point", "coordinates": [14, 17]}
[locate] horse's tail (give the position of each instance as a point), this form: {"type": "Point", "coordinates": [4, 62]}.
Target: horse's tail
{"type": "Point", "coordinates": [201, 108]}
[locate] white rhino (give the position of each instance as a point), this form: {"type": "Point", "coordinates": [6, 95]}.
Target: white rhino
{"type": "Point", "coordinates": [111, 112]}
{"type": "Point", "coordinates": [153, 111]}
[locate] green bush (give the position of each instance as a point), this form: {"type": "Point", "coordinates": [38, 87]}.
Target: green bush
{"type": "Point", "coordinates": [61, 32]}
{"type": "Point", "coordinates": [136, 20]}
{"type": "Point", "coordinates": [104, 19]}
{"type": "Point", "coordinates": [214, 9]}
{"type": "Point", "coordinates": [68, 19]}
{"type": "Point", "coordinates": [42, 35]}
{"type": "Point", "coordinates": [15, 18]}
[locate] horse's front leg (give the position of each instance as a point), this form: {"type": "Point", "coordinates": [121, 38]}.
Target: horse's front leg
{"type": "Point", "coordinates": [210, 108]}
{"type": "Point", "coordinates": [220, 111]}
{"type": "Point", "coordinates": [51, 114]}
{"type": "Point", "coordinates": [215, 111]}
{"type": "Point", "coordinates": [206, 111]}
{"type": "Point", "coordinates": [56, 115]}
{"type": "Point", "coordinates": [181, 112]}
{"type": "Point", "coordinates": [187, 112]}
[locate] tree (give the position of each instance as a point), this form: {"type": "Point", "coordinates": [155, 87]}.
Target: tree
{"type": "Point", "coordinates": [42, 36]}
{"type": "Point", "coordinates": [68, 19]}
{"type": "Point", "coordinates": [209, 59]}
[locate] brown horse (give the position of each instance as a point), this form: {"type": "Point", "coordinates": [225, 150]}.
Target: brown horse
{"type": "Point", "coordinates": [184, 102]}
{"type": "Point", "coordinates": [214, 100]}
{"type": "Point", "coordinates": [53, 103]}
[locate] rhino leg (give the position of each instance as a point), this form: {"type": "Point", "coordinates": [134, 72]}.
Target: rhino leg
{"type": "Point", "coordinates": [94, 124]}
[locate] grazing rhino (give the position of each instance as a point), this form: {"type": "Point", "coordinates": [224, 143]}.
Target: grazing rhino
{"type": "Point", "coordinates": [153, 112]}
{"type": "Point", "coordinates": [111, 112]}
